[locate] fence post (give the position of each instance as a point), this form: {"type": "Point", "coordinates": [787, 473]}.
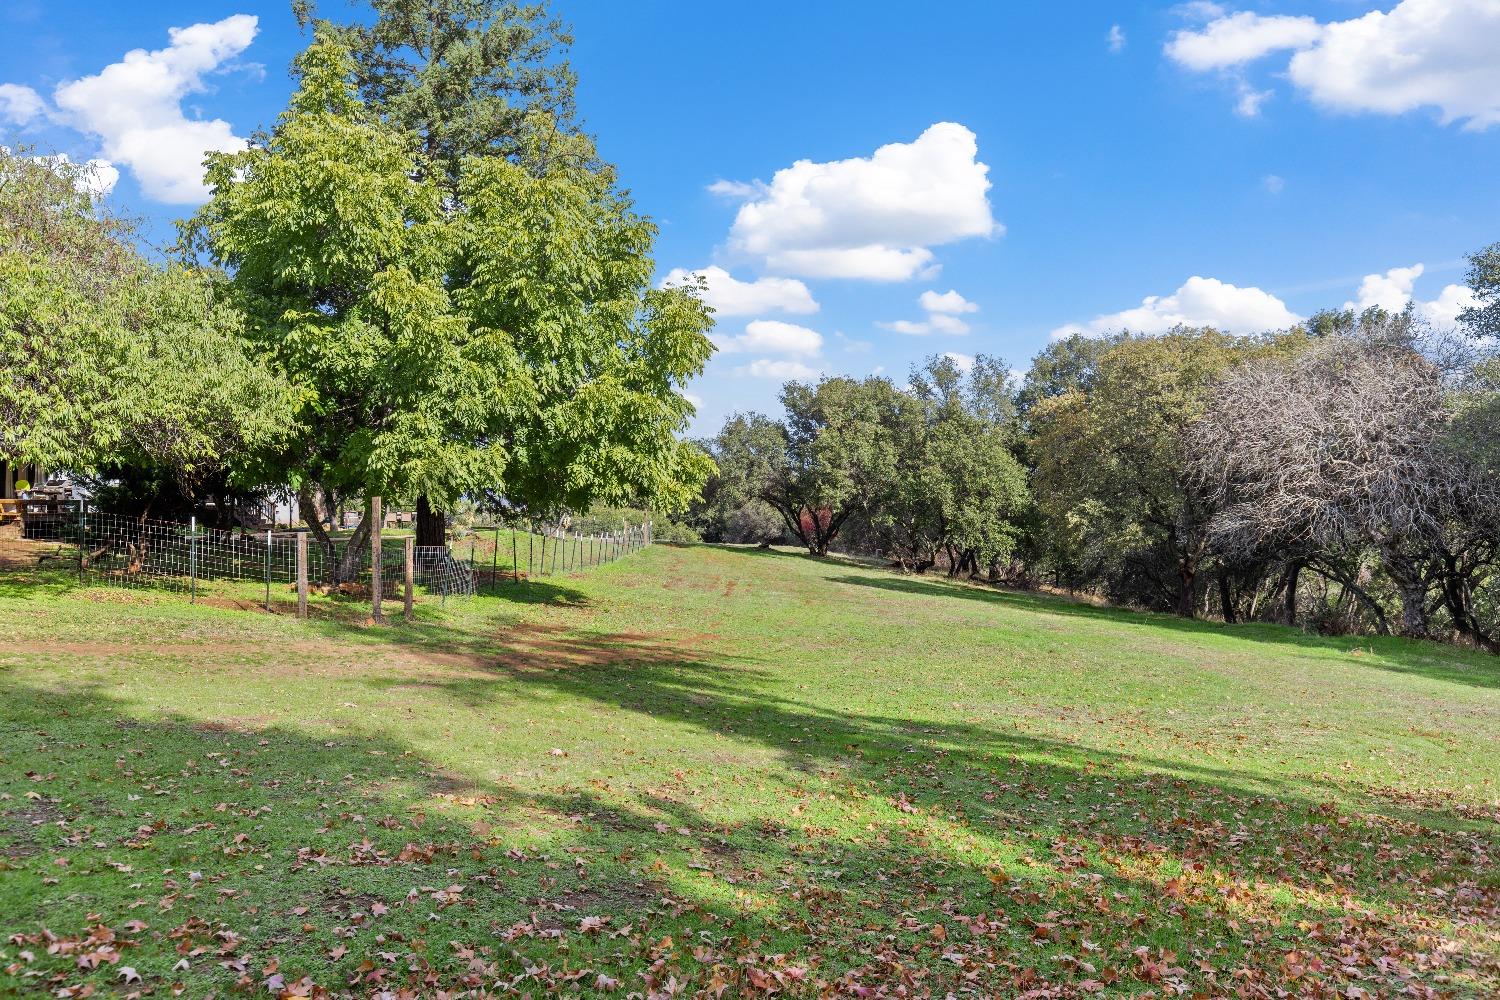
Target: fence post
{"type": "Point", "coordinates": [301, 574]}
{"type": "Point", "coordinates": [515, 562]}
{"type": "Point", "coordinates": [193, 555]}
{"type": "Point", "coordinates": [268, 569]}
{"type": "Point", "coordinates": [495, 564]}
{"type": "Point", "coordinates": [554, 554]}
{"type": "Point", "coordinates": [83, 539]}
{"type": "Point", "coordinates": [409, 554]}
{"type": "Point", "coordinates": [377, 596]}
{"type": "Point", "coordinates": [530, 548]}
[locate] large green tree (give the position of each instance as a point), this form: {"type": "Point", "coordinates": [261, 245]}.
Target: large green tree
{"type": "Point", "coordinates": [107, 360]}
{"type": "Point", "coordinates": [469, 79]}
{"type": "Point", "coordinates": [549, 375]}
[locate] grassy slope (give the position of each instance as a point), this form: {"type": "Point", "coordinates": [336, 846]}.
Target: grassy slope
{"type": "Point", "coordinates": [728, 766]}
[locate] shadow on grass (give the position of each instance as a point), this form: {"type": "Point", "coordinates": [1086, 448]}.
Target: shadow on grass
{"type": "Point", "coordinates": [1432, 660]}
{"type": "Point", "coordinates": [291, 839]}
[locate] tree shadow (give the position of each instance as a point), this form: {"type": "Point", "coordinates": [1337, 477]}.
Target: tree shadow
{"type": "Point", "coordinates": [1023, 850]}
{"type": "Point", "coordinates": [1431, 660]}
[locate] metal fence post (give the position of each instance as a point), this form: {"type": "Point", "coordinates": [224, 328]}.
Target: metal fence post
{"type": "Point", "coordinates": [193, 555]}
{"type": "Point", "coordinates": [268, 569]}
{"type": "Point", "coordinates": [515, 562]}
{"type": "Point", "coordinates": [409, 554]}
{"type": "Point", "coordinates": [530, 547]}
{"type": "Point", "coordinates": [377, 552]}
{"type": "Point", "coordinates": [495, 564]}
{"type": "Point", "coordinates": [301, 574]}
{"type": "Point", "coordinates": [83, 533]}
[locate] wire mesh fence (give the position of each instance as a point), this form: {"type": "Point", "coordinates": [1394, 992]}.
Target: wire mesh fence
{"type": "Point", "coordinates": [498, 555]}
{"type": "Point", "coordinates": [121, 550]}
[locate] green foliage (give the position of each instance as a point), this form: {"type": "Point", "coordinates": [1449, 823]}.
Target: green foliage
{"type": "Point", "coordinates": [955, 484]}
{"type": "Point", "coordinates": [1112, 472]}
{"type": "Point", "coordinates": [469, 78]}
{"type": "Point", "coordinates": [107, 360]}
{"type": "Point", "coordinates": [1483, 318]}
{"type": "Point", "coordinates": [507, 343]}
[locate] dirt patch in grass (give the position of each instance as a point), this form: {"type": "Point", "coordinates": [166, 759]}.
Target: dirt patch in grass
{"type": "Point", "coordinates": [20, 828]}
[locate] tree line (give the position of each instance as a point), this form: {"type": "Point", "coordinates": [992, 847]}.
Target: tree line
{"type": "Point", "coordinates": [421, 283]}
{"type": "Point", "coordinates": [1343, 475]}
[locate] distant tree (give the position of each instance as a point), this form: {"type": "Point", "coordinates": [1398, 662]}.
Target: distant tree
{"type": "Point", "coordinates": [1112, 470]}
{"type": "Point", "coordinates": [956, 485]}
{"type": "Point", "coordinates": [1354, 443]}
{"type": "Point", "coordinates": [1066, 365]}
{"type": "Point", "coordinates": [1483, 318]}
{"type": "Point", "coordinates": [550, 375]}
{"type": "Point", "coordinates": [107, 361]}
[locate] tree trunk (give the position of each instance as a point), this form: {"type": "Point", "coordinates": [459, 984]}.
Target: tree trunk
{"type": "Point", "coordinates": [1412, 588]}
{"type": "Point", "coordinates": [1292, 573]}
{"type": "Point", "coordinates": [1188, 574]}
{"type": "Point", "coordinates": [432, 525]}
{"type": "Point", "coordinates": [1226, 599]}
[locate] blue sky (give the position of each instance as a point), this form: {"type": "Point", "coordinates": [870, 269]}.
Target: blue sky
{"type": "Point", "coordinates": [1240, 164]}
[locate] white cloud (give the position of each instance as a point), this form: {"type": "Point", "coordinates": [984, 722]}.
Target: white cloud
{"type": "Point", "coordinates": [1452, 300]}
{"type": "Point", "coordinates": [769, 336]}
{"type": "Point", "coordinates": [943, 310]}
{"type": "Point", "coordinates": [963, 362]}
{"type": "Point", "coordinates": [874, 217]}
{"type": "Point", "coordinates": [1116, 38]}
{"type": "Point", "coordinates": [134, 108]}
{"type": "Point", "coordinates": [1390, 291]}
{"type": "Point", "coordinates": [1240, 38]}
{"type": "Point", "coordinates": [780, 370]}
{"type": "Point", "coordinates": [1273, 184]}
{"type": "Point", "coordinates": [731, 297]}
{"type": "Point", "coordinates": [946, 302]}
{"type": "Point", "coordinates": [18, 104]}
{"type": "Point", "coordinates": [1421, 53]}
{"type": "Point", "coordinates": [736, 189]}
{"type": "Point", "coordinates": [694, 398]}
{"type": "Point", "coordinates": [1393, 289]}
{"type": "Point", "coordinates": [1199, 302]}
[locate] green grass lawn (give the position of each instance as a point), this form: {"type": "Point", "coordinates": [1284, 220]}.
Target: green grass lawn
{"type": "Point", "coordinates": [721, 772]}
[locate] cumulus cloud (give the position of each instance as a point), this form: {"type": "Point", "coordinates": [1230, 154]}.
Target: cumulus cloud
{"type": "Point", "coordinates": [1116, 38]}
{"type": "Point", "coordinates": [1199, 302]}
{"type": "Point", "coordinates": [946, 302]}
{"type": "Point", "coordinates": [1393, 289]}
{"type": "Point", "coordinates": [1239, 38]}
{"type": "Point", "coordinates": [872, 218]}
{"type": "Point", "coordinates": [134, 108]}
{"type": "Point", "coordinates": [20, 105]}
{"type": "Point", "coordinates": [1420, 54]}
{"type": "Point", "coordinates": [943, 311]}
{"type": "Point", "coordinates": [731, 297]}
{"type": "Point", "coordinates": [780, 370]}
{"type": "Point", "coordinates": [769, 336]}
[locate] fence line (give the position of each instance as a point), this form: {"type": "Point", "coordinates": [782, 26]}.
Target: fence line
{"type": "Point", "coordinates": [120, 550]}
{"type": "Point", "coordinates": [499, 555]}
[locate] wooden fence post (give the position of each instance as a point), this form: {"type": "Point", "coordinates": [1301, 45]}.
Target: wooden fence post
{"type": "Point", "coordinates": [301, 574]}
{"type": "Point", "coordinates": [377, 597]}
{"type": "Point", "coordinates": [410, 557]}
